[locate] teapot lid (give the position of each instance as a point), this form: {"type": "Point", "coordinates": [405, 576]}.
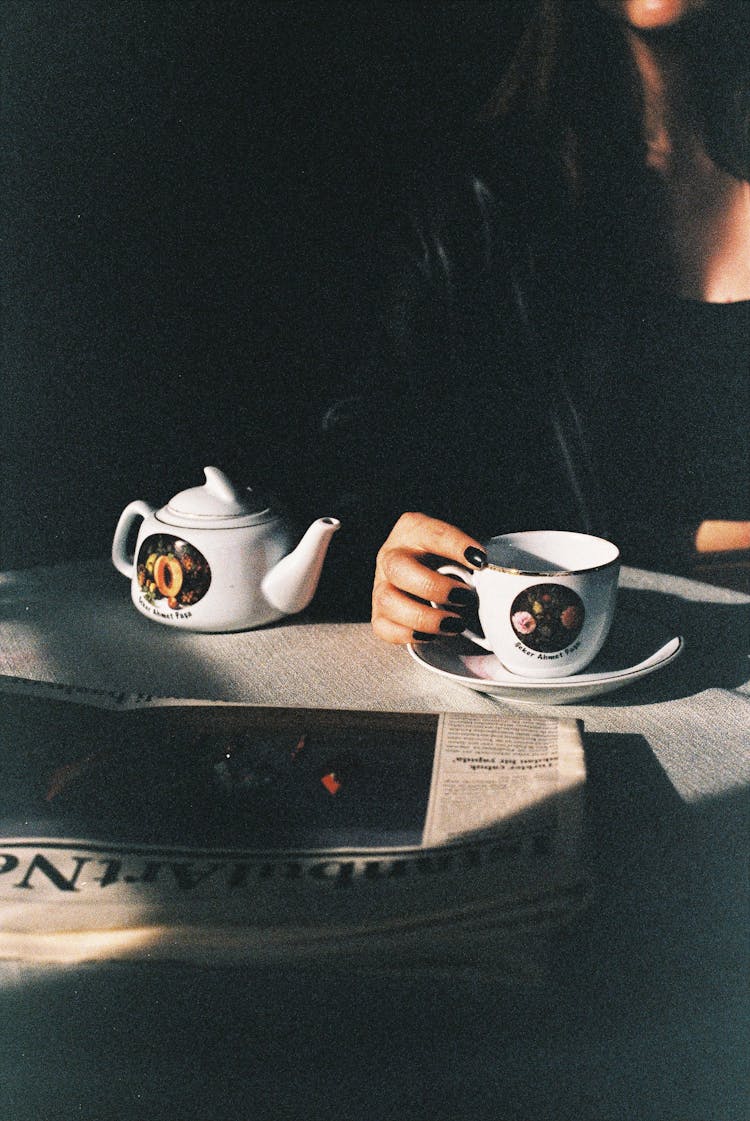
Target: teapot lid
{"type": "Point", "coordinates": [217, 502]}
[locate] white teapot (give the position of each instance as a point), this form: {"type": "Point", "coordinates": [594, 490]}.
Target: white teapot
{"type": "Point", "coordinates": [216, 558]}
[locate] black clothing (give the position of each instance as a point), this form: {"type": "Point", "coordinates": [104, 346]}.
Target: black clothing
{"type": "Point", "coordinates": [509, 385]}
{"type": "Point", "coordinates": [668, 421]}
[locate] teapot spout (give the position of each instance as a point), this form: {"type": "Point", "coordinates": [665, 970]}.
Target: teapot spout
{"type": "Point", "coordinates": [291, 584]}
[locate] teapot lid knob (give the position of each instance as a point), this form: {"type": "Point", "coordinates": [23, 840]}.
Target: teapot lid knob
{"type": "Point", "coordinates": [218, 497]}
{"type": "Point", "coordinates": [222, 487]}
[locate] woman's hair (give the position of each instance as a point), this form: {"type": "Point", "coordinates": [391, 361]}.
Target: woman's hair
{"type": "Point", "coordinates": [569, 97]}
{"type": "Point", "coordinates": [718, 52]}
{"type": "Point", "coordinates": [570, 107]}
{"type": "Point", "coordinates": [572, 82]}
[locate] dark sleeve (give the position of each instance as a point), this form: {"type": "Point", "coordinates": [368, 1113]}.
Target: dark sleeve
{"type": "Point", "coordinates": [371, 451]}
{"type": "Point", "coordinates": [444, 412]}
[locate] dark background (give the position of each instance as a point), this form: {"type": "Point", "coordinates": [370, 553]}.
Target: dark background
{"type": "Point", "coordinates": [191, 193]}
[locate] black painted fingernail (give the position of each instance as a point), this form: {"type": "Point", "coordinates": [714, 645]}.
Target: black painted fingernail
{"type": "Point", "coordinates": [452, 625]}
{"type": "Point", "coordinates": [422, 636]}
{"type": "Point", "coordinates": [476, 556]}
{"type": "Point", "coordinates": [462, 597]}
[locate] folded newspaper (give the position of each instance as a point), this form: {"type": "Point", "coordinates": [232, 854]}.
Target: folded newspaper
{"type": "Point", "coordinates": [149, 827]}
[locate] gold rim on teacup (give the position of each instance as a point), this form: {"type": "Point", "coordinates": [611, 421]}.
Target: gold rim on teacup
{"type": "Point", "coordinates": [553, 573]}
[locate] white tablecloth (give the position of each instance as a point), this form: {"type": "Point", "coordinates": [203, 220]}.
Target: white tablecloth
{"type": "Point", "coordinates": [645, 1012]}
{"type": "Point", "coordinates": [76, 625]}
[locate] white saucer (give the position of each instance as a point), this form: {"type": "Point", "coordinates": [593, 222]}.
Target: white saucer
{"type": "Point", "coordinates": [637, 645]}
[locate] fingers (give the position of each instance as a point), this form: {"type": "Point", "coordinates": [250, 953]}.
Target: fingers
{"type": "Point", "coordinates": [394, 610]}
{"type": "Point", "coordinates": [402, 569]}
{"type": "Point", "coordinates": [397, 618]}
{"type": "Point", "coordinates": [421, 534]}
{"type": "Point", "coordinates": [406, 583]}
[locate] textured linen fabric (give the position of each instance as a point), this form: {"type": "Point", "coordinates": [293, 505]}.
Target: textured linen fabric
{"type": "Point", "coordinates": [75, 625]}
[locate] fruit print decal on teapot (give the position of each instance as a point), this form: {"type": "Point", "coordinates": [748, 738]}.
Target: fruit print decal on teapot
{"type": "Point", "coordinates": [171, 572]}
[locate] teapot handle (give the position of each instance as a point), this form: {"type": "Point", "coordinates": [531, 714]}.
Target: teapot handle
{"type": "Point", "coordinates": [120, 559]}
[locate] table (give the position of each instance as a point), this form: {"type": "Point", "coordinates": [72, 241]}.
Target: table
{"type": "Point", "coordinates": [644, 1013]}
{"type": "Point", "coordinates": [75, 624]}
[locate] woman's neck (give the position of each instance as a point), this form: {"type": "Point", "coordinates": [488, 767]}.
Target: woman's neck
{"type": "Point", "coordinates": [708, 210]}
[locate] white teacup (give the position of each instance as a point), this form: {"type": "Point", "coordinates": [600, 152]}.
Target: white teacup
{"type": "Point", "coordinates": [546, 599]}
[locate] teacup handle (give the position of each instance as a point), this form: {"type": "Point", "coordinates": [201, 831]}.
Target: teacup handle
{"type": "Point", "coordinates": [467, 576]}
{"type": "Point", "coordinates": [120, 559]}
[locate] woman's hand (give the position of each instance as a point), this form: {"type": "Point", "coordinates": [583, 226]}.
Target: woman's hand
{"type": "Point", "coordinates": [406, 581]}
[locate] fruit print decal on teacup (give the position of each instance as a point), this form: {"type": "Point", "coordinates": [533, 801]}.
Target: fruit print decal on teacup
{"type": "Point", "coordinates": [547, 617]}
{"type": "Point", "coordinates": [172, 572]}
